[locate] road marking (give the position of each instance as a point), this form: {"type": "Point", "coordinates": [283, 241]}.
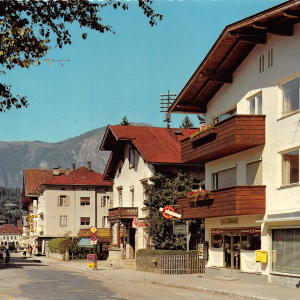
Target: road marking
{"type": "Point", "coordinates": [8, 297]}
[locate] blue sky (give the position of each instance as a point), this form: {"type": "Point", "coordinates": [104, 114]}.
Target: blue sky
{"type": "Point", "coordinates": [112, 75]}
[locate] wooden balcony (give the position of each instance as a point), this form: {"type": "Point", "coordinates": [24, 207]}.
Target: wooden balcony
{"type": "Point", "coordinates": [233, 135]}
{"type": "Point", "coordinates": [123, 213]}
{"type": "Point", "coordinates": [230, 201]}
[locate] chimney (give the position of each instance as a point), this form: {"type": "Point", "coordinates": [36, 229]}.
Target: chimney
{"type": "Point", "coordinates": [67, 171]}
{"type": "Point", "coordinates": [55, 171]}
{"type": "Point", "coordinates": [73, 166]}
{"type": "Point", "coordinates": [89, 166]}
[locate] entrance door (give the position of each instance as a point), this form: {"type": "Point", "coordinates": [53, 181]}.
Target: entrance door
{"type": "Point", "coordinates": [232, 249]}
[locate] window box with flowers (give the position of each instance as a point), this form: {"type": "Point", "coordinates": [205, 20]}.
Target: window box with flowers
{"type": "Point", "coordinates": [204, 132]}
{"type": "Point", "coordinates": [200, 195]}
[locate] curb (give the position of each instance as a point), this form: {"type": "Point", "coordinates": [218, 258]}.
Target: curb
{"type": "Point", "coordinates": [214, 291]}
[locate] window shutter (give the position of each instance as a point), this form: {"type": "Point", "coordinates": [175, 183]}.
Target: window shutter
{"type": "Point", "coordinates": [227, 178]}
{"type": "Point", "coordinates": [68, 200]}
{"type": "Point", "coordinates": [254, 173]}
{"type": "Point", "coordinates": [58, 200]}
{"type": "Point", "coordinates": [111, 201]}
{"type": "Point", "coordinates": [102, 201]}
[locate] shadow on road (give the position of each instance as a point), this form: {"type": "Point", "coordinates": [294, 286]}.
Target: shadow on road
{"type": "Point", "coordinates": [16, 263]}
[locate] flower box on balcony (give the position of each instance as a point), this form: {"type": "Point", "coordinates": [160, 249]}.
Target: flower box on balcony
{"type": "Point", "coordinates": [203, 198]}
{"type": "Point", "coordinates": [205, 134]}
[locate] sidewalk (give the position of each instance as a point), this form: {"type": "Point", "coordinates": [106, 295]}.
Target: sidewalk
{"type": "Point", "coordinates": [235, 288]}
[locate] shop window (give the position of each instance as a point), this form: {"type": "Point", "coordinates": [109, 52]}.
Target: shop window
{"type": "Point", "coordinates": [105, 201]}
{"type": "Point", "coordinates": [254, 173]}
{"type": "Point", "coordinates": [224, 178]}
{"type": "Point", "coordinates": [223, 116]}
{"type": "Point", "coordinates": [255, 105]}
{"type": "Point", "coordinates": [286, 250]}
{"type": "Point", "coordinates": [84, 221]}
{"type": "Point", "coordinates": [63, 221]}
{"type": "Point", "coordinates": [85, 201]}
{"type": "Point", "coordinates": [63, 200]}
{"type": "Point", "coordinates": [290, 167]}
{"type": "Point", "coordinates": [290, 92]}
{"type": "Point", "coordinates": [251, 242]}
{"type": "Point", "coordinates": [217, 241]}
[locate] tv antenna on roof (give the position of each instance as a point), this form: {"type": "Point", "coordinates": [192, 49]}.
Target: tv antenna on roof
{"type": "Point", "coordinates": [165, 103]}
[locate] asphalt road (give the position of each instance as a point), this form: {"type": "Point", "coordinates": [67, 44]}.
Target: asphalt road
{"type": "Point", "coordinates": [24, 279]}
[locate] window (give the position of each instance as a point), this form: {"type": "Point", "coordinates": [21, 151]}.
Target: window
{"type": "Point", "coordinates": [224, 115]}
{"type": "Point", "coordinates": [105, 201]}
{"type": "Point", "coordinates": [131, 158]}
{"type": "Point", "coordinates": [290, 91]}
{"type": "Point", "coordinates": [63, 200]}
{"type": "Point", "coordinates": [85, 221]}
{"type": "Point", "coordinates": [290, 167]}
{"type": "Point", "coordinates": [254, 173]}
{"type": "Point", "coordinates": [255, 105]}
{"type": "Point", "coordinates": [85, 201]}
{"type": "Point", "coordinates": [132, 196]}
{"type": "Point", "coordinates": [286, 250]}
{"type": "Point", "coordinates": [105, 222]}
{"type": "Point", "coordinates": [224, 178]}
{"type": "Point", "coordinates": [63, 221]}
{"type": "Point", "coordinates": [120, 198]}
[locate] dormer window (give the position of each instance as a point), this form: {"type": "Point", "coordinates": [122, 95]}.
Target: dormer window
{"type": "Point", "coordinates": [131, 158]}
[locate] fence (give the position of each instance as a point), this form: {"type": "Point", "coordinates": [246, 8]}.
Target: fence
{"type": "Point", "coordinates": [171, 264]}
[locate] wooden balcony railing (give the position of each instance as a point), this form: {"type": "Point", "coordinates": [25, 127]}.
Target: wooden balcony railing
{"type": "Point", "coordinates": [230, 201]}
{"type": "Point", "coordinates": [123, 213]}
{"type": "Point", "coordinates": [233, 135]}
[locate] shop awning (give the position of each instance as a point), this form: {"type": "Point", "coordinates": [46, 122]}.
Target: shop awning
{"type": "Point", "coordinates": [85, 242]}
{"type": "Point", "coordinates": [30, 240]}
{"type": "Point", "coordinates": [285, 217]}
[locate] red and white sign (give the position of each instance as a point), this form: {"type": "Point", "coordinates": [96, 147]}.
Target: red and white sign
{"type": "Point", "coordinates": [137, 223]}
{"type": "Point", "coordinates": [216, 231]}
{"type": "Point", "coordinates": [168, 208]}
{"type": "Point", "coordinates": [94, 237]}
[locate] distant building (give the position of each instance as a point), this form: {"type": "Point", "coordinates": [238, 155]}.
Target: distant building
{"type": "Point", "coordinates": [68, 203]}
{"type": "Point", "coordinates": [137, 153]}
{"type": "Point", "coordinates": [9, 235]}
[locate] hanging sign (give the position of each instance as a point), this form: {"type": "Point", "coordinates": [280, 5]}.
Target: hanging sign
{"type": "Point", "coordinates": [168, 208]}
{"type": "Point", "coordinates": [136, 223]}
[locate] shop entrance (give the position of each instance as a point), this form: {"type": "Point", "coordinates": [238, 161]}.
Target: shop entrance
{"type": "Point", "coordinates": [232, 250]}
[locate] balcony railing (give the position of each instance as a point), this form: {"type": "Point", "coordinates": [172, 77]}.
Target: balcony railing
{"type": "Point", "coordinates": [233, 135]}
{"type": "Point", "coordinates": [230, 201]}
{"type": "Point", "coordinates": [123, 213]}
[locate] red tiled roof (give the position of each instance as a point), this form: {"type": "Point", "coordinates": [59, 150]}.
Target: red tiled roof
{"type": "Point", "coordinates": [156, 145]}
{"type": "Point", "coordinates": [81, 176]}
{"type": "Point", "coordinates": [8, 228]}
{"type": "Point", "coordinates": [33, 178]}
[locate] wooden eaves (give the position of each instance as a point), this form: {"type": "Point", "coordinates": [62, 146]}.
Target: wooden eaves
{"type": "Point", "coordinates": [230, 50]}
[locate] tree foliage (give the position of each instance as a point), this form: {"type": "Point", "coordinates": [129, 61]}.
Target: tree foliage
{"type": "Point", "coordinates": [186, 123]}
{"type": "Point", "coordinates": [10, 195]}
{"type": "Point", "coordinates": [124, 122]}
{"type": "Point", "coordinates": [27, 26]}
{"type": "Point", "coordinates": [160, 192]}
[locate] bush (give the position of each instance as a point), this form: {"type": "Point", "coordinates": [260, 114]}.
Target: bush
{"type": "Point", "coordinates": [54, 245]}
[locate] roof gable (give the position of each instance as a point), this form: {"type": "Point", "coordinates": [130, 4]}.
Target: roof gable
{"type": "Point", "coordinates": [82, 176]}
{"type": "Point", "coordinates": [230, 50]}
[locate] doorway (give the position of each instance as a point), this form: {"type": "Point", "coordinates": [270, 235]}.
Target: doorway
{"type": "Point", "coordinates": [232, 250]}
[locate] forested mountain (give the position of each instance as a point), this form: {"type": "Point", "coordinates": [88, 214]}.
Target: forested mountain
{"type": "Point", "coordinates": [10, 195]}
{"type": "Point", "coordinates": [17, 156]}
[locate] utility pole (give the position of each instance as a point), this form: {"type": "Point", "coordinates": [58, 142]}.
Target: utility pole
{"type": "Point", "coordinates": [165, 103]}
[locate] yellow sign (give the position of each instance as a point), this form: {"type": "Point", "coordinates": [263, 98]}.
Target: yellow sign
{"type": "Point", "coordinates": [93, 230]}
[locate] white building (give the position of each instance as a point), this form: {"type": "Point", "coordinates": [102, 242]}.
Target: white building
{"type": "Point", "coordinates": [137, 154]}
{"type": "Point", "coordinates": [68, 203]}
{"type": "Point", "coordinates": [9, 235]}
{"type": "Point", "coordinates": [248, 85]}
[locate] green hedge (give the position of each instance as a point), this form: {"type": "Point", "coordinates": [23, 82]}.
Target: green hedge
{"type": "Point", "coordinates": [150, 252]}
{"type": "Point", "coordinates": [53, 245]}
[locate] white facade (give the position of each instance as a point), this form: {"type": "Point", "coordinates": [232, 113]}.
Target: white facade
{"type": "Point", "coordinates": [282, 135]}
{"type": "Point", "coordinates": [67, 210]}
